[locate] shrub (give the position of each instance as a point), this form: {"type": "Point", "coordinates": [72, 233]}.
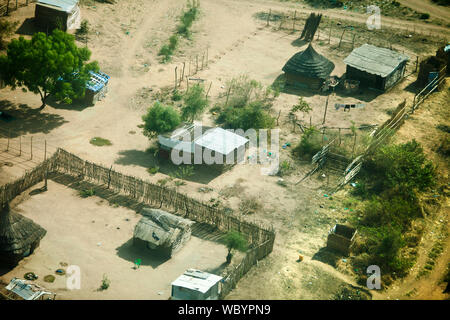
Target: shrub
{"type": "Point", "coordinates": [403, 166]}
{"type": "Point", "coordinates": [99, 142]}
{"type": "Point", "coordinates": [160, 119]}
{"type": "Point", "coordinates": [7, 28]}
{"type": "Point", "coordinates": [105, 283]}
{"type": "Point", "coordinates": [310, 144]}
{"type": "Point", "coordinates": [85, 193]}
{"type": "Point", "coordinates": [195, 103]}
{"type": "Point", "coordinates": [424, 16]}
{"type": "Point", "coordinates": [153, 170]}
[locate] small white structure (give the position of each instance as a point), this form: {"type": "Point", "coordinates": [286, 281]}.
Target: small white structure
{"type": "Point", "coordinates": [195, 138]}
{"type": "Point", "coordinates": [27, 290]}
{"type": "Point", "coordinates": [196, 285]}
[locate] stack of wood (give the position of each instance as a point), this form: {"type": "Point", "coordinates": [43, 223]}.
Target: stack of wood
{"type": "Point", "coordinates": [311, 26]}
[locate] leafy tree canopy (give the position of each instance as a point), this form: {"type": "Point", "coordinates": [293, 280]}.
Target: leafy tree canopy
{"type": "Point", "coordinates": [195, 103]}
{"type": "Point", "coordinates": [41, 63]}
{"type": "Point", "coordinates": [160, 119]}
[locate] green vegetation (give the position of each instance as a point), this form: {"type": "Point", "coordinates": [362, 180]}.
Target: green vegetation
{"type": "Point", "coordinates": [84, 29]}
{"type": "Point", "coordinates": [41, 63]}
{"type": "Point", "coordinates": [187, 18]}
{"type": "Point", "coordinates": [7, 28]}
{"type": "Point", "coordinates": [250, 205]}
{"type": "Point", "coordinates": [85, 193]}
{"type": "Point", "coordinates": [310, 144]}
{"type": "Point", "coordinates": [194, 103]}
{"type": "Point", "coordinates": [247, 105]}
{"type": "Point", "coordinates": [183, 172]}
{"type": "Point", "coordinates": [99, 142]}
{"type": "Point", "coordinates": [234, 241]}
{"type": "Point", "coordinates": [160, 119]}
{"type": "Point", "coordinates": [153, 170]}
{"type": "Point", "coordinates": [302, 106]}
{"type": "Point", "coordinates": [105, 283]}
{"type": "Point", "coordinates": [392, 179]}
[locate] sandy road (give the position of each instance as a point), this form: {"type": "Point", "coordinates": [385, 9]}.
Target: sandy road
{"type": "Point", "coordinates": [427, 6]}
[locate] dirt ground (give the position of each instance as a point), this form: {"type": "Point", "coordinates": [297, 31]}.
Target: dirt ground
{"type": "Point", "coordinates": [125, 39]}
{"type": "Point", "coordinates": [91, 234]}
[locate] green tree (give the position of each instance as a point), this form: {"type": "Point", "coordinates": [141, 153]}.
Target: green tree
{"type": "Point", "coordinates": [234, 241]}
{"type": "Point", "coordinates": [195, 103]}
{"type": "Point", "coordinates": [48, 65]}
{"type": "Point", "coordinates": [7, 28]}
{"type": "Point", "coordinates": [160, 119]}
{"type": "Point", "coordinates": [302, 106]}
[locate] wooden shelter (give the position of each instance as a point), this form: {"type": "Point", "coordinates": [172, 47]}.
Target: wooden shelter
{"type": "Point", "coordinates": [19, 236]}
{"type": "Point", "coordinates": [196, 285]}
{"type": "Point", "coordinates": [375, 67]}
{"type": "Point", "coordinates": [64, 14]}
{"type": "Point", "coordinates": [308, 69]}
{"type": "Point", "coordinates": [341, 238]}
{"type": "Point", "coordinates": [162, 231]}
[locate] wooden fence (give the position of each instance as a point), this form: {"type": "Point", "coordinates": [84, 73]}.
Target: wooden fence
{"type": "Point", "coordinates": [7, 6]}
{"type": "Point", "coordinates": [260, 237]}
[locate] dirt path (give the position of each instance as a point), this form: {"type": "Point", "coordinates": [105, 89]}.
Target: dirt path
{"type": "Point", "coordinates": [427, 6]}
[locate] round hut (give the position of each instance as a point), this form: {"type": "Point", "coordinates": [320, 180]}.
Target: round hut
{"type": "Point", "coordinates": [307, 69]}
{"type": "Point", "coordinates": [19, 236]}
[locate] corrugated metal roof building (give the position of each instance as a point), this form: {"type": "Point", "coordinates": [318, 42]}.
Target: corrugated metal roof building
{"type": "Point", "coordinates": [64, 14]}
{"type": "Point", "coordinates": [27, 290]}
{"type": "Point", "coordinates": [196, 285]}
{"type": "Point", "coordinates": [375, 67]}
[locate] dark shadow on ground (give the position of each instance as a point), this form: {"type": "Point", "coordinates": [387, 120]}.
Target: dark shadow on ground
{"type": "Point", "coordinates": [208, 232]}
{"type": "Point", "coordinates": [4, 269]}
{"type": "Point", "coordinates": [148, 257]}
{"type": "Point", "coordinates": [28, 28]}
{"type": "Point", "coordinates": [26, 120]}
{"type": "Point", "coordinates": [363, 94]}
{"type": "Point", "coordinates": [76, 105]}
{"type": "Point", "coordinates": [218, 270]}
{"type": "Point", "coordinates": [413, 87]}
{"type": "Point", "coordinates": [327, 256]}
{"type": "Point", "coordinates": [299, 42]}
{"type": "Point", "coordinates": [202, 173]}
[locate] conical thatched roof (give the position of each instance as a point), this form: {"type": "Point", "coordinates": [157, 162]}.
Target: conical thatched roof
{"type": "Point", "coordinates": [309, 63]}
{"type": "Point", "coordinates": [17, 233]}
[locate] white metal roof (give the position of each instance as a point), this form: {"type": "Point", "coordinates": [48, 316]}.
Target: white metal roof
{"type": "Point", "coordinates": [25, 289]}
{"type": "Point", "coordinates": [220, 140]}
{"type": "Point", "coordinates": [197, 280]}
{"type": "Point", "coordinates": [64, 5]}
{"type": "Point", "coordinates": [375, 60]}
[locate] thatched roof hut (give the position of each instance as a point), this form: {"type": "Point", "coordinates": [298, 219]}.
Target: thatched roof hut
{"type": "Point", "coordinates": [19, 236]}
{"type": "Point", "coordinates": [308, 69]}
{"type": "Point", "coordinates": [162, 231]}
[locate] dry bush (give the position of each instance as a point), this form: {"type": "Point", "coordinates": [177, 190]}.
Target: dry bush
{"type": "Point", "coordinates": [250, 205]}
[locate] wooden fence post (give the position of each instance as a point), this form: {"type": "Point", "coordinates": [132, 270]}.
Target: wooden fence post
{"type": "Point", "coordinates": [326, 107]}
{"type": "Point", "coordinates": [207, 92]}
{"type": "Point", "coordinates": [20, 146]}
{"type": "Point", "coordinates": [176, 78]}
{"type": "Point", "coordinates": [31, 148]}
{"type": "Point", "coordinates": [268, 17]}
{"type": "Point", "coordinates": [293, 21]}
{"type": "Point", "coordinates": [7, 146]}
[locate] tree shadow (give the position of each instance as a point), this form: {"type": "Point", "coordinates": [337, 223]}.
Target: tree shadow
{"type": "Point", "coordinates": [203, 173]}
{"type": "Point", "coordinates": [327, 256]}
{"type": "Point", "coordinates": [130, 252]}
{"type": "Point", "coordinates": [76, 105]}
{"type": "Point", "coordinates": [24, 120]}
{"type": "Point", "coordinates": [299, 42]}
{"type": "Point", "coordinates": [4, 269]}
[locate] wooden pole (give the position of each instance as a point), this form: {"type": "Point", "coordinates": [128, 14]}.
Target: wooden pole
{"type": "Point", "coordinates": [340, 40]}
{"type": "Point", "coordinates": [268, 17]}
{"type": "Point", "coordinates": [9, 134]}
{"type": "Point", "coordinates": [109, 176]}
{"type": "Point", "coordinates": [31, 148]}
{"type": "Point", "coordinates": [417, 63]}
{"type": "Point", "coordinates": [293, 22]}
{"type": "Point", "coordinates": [207, 92]}
{"type": "Point", "coordinates": [46, 166]}
{"type": "Point", "coordinates": [182, 73]}
{"type": "Point", "coordinates": [329, 35]}
{"type": "Point", "coordinates": [339, 137]}
{"type": "Point", "coordinates": [228, 95]}
{"type": "Point", "coordinates": [326, 107]}
{"type": "Point", "coordinates": [196, 64]}
{"type": "Point", "coordinates": [20, 146]}
{"type": "Point", "coordinates": [176, 78]}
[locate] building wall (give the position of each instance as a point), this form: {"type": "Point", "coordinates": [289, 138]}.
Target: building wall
{"type": "Point", "coordinates": [48, 18]}
{"type": "Point", "coordinates": [303, 82]}
{"type": "Point", "coordinates": [395, 76]}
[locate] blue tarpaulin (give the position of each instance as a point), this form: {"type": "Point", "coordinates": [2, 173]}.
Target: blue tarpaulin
{"type": "Point", "coordinates": [98, 81]}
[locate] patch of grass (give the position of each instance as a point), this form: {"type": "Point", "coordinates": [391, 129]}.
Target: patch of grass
{"type": "Point", "coordinates": [105, 283]}
{"type": "Point", "coordinates": [100, 142]}
{"type": "Point", "coordinates": [85, 193]}
{"type": "Point", "coordinates": [250, 205]}
{"type": "Point", "coordinates": [153, 170]}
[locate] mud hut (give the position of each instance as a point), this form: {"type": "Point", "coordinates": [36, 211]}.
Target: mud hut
{"type": "Point", "coordinates": [307, 69]}
{"type": "Point", "coordinates": [162, 231]}
{"type": "Point", "coordinates": [64, 14]}
{"type": "Point", "coordinates": [19, 236]}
